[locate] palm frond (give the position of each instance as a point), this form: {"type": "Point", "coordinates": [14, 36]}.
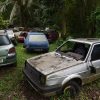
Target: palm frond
{"type": "Point", "coordinates": [33, 3]}
{"type": "Point", "coordinates": [15, 11]}
{"type": "Point", "coordinates": [3, 5]}
{"type": "Point", "coordinates": [30, 2]}
{"type": "Point", "coordinates": [24, 2]}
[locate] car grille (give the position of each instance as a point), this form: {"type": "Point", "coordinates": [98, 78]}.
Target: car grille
{"type": "Point", "coordinates": [32, 73]}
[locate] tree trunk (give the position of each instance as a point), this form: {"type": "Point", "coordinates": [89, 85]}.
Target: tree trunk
{"type": "Point", "coordinates": [64, 28]}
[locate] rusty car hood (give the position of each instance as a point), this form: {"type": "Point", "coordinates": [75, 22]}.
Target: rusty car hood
{"type": "Point", "coordinates": [50, 63]}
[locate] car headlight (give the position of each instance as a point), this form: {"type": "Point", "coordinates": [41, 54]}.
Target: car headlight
{"type": "Point", "coordinates": [42, 79]}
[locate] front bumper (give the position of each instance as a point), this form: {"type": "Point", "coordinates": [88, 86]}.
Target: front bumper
{"type": "Point", "coordinates": [44, 90]}
{"type": "Point", "coordinates": [9, 60]}
{"type": "Point", "coordinates": [37, 49]}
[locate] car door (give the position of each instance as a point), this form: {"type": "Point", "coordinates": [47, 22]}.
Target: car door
{"type": "Point", "coordinates": [95, 58]}
{"type": "Point", "coordinates": [95, 63]}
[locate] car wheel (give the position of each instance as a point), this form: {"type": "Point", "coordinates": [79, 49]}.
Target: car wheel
{"type": "Point", "coordinates": [71, 89]}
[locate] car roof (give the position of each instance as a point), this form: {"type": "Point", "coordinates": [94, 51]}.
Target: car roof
{"type": "Point", "coordinates": [86, 40]}
{"type": "Point", "coordinates": [35, 33]}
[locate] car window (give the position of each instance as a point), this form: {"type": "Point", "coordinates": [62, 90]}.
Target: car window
{"type": "Point", "coordinates": [37, 38]}
{"type": "Point", "coordinates": [4, 40]}
{"type": "Point", "coordinates": [74, 49]}
{"type": "Point", "coordinates": [68, 46]}
{"type": "Point", "coordinates": [96, 53]}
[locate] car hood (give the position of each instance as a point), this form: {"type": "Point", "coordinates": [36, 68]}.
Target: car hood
{"type": "Point", "coordinates": [51, 62]}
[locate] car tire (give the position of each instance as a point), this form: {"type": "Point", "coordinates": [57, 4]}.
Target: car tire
{"type": "Point", "coordinates": [71, 89]}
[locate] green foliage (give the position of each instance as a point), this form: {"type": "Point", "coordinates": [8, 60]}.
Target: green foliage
{"type": "Point", "coordinates": [21, 11]}
{"type": "Point", "coordinates": [97, 15]}
{"type": "Point", "coordinates": [70, 17]}
{"type": "Point", "coordinates": [3, 23]}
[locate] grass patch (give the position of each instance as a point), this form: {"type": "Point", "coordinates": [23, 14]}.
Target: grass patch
{"type": "Point", "coordinates": [12, 77]}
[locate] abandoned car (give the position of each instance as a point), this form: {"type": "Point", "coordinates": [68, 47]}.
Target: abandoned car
{"type": "Point", "coordinates": [73, 64]}
{"type": "Point", "coordinates": [7, 51]}
{"type": "Point", "coordinates": [36, 41]}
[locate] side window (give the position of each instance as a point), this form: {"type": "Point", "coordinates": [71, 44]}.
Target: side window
{"type": "Point", "coordinates": [95, 53]}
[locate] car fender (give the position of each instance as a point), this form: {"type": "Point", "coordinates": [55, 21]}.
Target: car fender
{"type": "Point", "coordinates": [70, 77]}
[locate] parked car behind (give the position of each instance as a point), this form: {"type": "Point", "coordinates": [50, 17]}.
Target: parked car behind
{"type": "Point", "coordinates": [75, 63]}
{"type": "Point", "coordinates": [36, 41]}
{"type": "Point", "coordinates": [2, 31]}
{"type": "Point", "coordinates": [52, 35]}
{"type": "Point", "coordinates": [16, 32]}
{"type": "Point", "coordinates": [22, 36]}
{"type": "Point", "coordinates": [11, 35]}
{"type": "Point", "coordinates": [7, 51]}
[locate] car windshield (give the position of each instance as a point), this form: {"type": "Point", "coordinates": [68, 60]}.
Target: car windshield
{"type": "Point", "coordinates": [4, 40]}
{"type": "Point", "coordinates": [74, 50]}
{"type": "Point", "coordinates": [37, 38]}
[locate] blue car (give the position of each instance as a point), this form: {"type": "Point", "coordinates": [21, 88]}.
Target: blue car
{"type": "Point", "coordinates": [36, 41]}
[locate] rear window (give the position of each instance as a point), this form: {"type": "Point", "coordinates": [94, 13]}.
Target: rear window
{"type": "Point", "coordinates": [37, 38]}
{"type": "Point", "coordinates": [4, 40]}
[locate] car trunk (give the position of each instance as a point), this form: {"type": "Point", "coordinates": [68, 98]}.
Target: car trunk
{"type": "Point", "coordinates": [37, 44]}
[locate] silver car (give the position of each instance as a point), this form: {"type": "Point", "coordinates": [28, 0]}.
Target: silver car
{"type": "Point", "coordinates": [7, 51]}
{"type": "Point", "coordinates": [11, 35]}
{"type": "Point", "coordinates": [75, 63]}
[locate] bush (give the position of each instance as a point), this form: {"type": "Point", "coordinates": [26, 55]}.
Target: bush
{"type": "Point", "coordinates": [3, 23]}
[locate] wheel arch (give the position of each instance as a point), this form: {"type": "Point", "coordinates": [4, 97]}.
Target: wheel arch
{"type": "Point", "coordinates": [75, 78]}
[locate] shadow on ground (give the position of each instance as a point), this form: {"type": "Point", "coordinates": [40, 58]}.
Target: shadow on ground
{"type": "Point", "coordinates": [29, 93]}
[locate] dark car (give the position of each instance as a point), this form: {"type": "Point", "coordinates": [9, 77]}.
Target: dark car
{"type": "Point", "coordinates": [22, 36]}
{"type": "Point", "coordinates": [36, 41]}
{"type": "Point", "coordinates": [52, 35]}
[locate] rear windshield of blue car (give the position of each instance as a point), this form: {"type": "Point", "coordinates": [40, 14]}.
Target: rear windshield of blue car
{"type": "Point", "coordinates": [4, 40]}
{"type": "Point", "coordinates": [37, 38]}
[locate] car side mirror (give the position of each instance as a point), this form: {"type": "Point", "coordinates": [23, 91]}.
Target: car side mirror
{"type": "Point", "coordinates": [92, 68]}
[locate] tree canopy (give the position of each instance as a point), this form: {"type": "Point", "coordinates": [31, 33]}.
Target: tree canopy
{"type": "Point", "coordinates": [71, 17]}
